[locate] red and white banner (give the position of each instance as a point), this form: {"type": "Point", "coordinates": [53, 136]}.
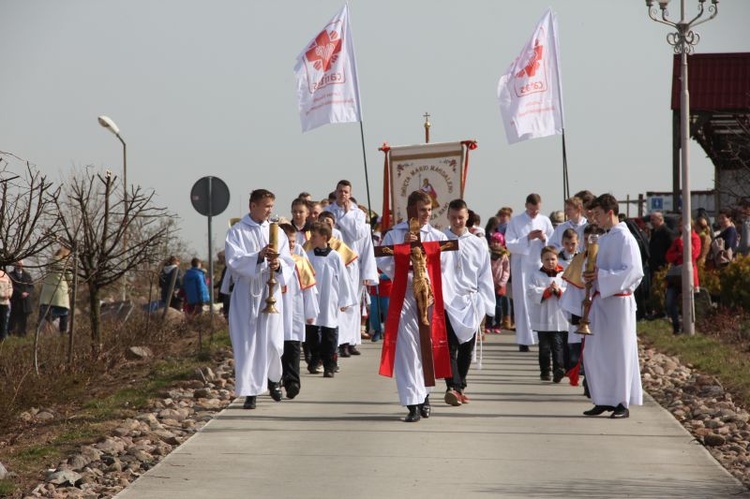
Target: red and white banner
{"type": "Point", "coordinates": [326, 70]}
{"type": "Point", "coordinates": [530, 92]}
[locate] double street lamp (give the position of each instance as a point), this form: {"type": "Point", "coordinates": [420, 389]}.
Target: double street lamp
{"type": "Point", "coordinates": [110, 125]}
{"type": "Point", "coordinates": [683, 40]}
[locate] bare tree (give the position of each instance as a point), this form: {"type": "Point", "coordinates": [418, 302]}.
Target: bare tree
{"type": "Point", "coordinates": [29, 217]}
{"type": "Point", "coordinates": [111, 236]}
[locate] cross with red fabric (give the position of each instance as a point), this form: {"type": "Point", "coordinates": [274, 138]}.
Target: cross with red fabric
{"type": "Point", "coordinates": [423, 259]}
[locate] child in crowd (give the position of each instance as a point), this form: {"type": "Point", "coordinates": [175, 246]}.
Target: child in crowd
{"type": "Point", "coordinates": [564, 258]}
{"type": "Point", "coordinates": [300, 222]}
{"type": "Point", "coordinates": [380, 297]}
{"type": "Point", "coordinates": [500, 263]}
{"type": "Point", "coordinates": [349, 337]}
{"type": "Point", "coordinates": [545, 287]}
{"type": "Point", "coordinates": [335, 294]}
{"type": "Point", "coordinates": [569, 247]}
{"type": "Point", "coordinates": [300, 298]}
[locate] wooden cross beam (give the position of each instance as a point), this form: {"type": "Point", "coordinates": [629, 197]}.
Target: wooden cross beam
{"type": "Point", "coordinates": [422, 290]}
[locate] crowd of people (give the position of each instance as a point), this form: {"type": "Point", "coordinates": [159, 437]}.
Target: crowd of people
{"type": "Point", "coordinates": [332, 292]}
{"type": "Point", "coordinates": [311, 288]}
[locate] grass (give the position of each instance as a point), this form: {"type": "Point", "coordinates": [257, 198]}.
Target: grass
{"type": "Point", "coordinates": [125, 400]}
{"type": "Point", "coordinates": [6, 488]}
{"type": "Point", "coordinates": [91, 400]}
{"type": "Point", "coordinates": [728, 362]}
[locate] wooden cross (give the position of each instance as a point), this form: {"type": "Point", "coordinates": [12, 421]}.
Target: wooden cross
{"type": "Point", "coordinates": [422, 294]}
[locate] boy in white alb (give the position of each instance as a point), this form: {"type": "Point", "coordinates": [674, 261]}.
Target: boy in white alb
{"type": "Point", "coordinates": [300, 308]}
{"type": "Point", "coordinates": [473, 298]}
{"type": "Point", "coordinates": [545, 287]}
{"type": "Point", "coordinates": [612, 351]}
{"type": "Point", "coordinates": [335, 295]}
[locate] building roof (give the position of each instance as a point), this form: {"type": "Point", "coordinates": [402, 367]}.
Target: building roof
{"type": "Point", "coordinates": [719, 90]}
{"type": "Point", "coordinates": [715, 82]}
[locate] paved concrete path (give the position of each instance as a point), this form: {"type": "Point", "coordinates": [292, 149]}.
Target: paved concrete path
{"type": "Point", "coordinates": [518, 437]}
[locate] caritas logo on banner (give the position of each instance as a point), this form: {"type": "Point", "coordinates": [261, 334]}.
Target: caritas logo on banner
{"type": "Point", "coordinates": [318, 59]}
{"type": "Point", "coordinates": [327, 86]}
{"type": "Point", "coordinates": [532, 77]}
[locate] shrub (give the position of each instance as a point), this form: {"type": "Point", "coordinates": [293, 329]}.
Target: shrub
{"type": "Point", "coordinates": [735, 283]}
{"type": "Point", "coordinates": [658, 289]}
{"type": "Point", "coordinates": [709, 279]}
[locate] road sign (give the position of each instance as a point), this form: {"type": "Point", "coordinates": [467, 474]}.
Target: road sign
{"type": "Point", "coordinates": [210, 196]}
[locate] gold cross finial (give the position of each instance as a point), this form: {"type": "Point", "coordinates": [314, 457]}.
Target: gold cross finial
{"type": "Point", "coordinates": [427, 128]}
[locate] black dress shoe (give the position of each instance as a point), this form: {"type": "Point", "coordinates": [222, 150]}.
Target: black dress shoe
{"type": "Point", "coordinates": [523, 348]}
{"type": "Point", "coordinates": [275, 391]}
{"type": "Point", "coordinates": [545, 377]}
{"type": "Point", "coordinates": [344, 351]}
{"type": "Point", "coordinates": [425, 409]}
{"type": "Point", "coordinates": [621, 412]}
{"type": "Point", "coordinates": [292, 390]}
{"type": "Point", "coordinates": [413, 415]}
{"type": "Point", "coordinates": [249, 402]}
{"type": "Point", "coordinates": [558, 376]}
{"type": "Point", "coordinates": [353, 350]}
{"type": "Point", "coordinates": [598, 409]}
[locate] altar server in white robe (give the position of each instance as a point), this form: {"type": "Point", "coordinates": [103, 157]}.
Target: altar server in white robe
{"type": "Point", "coordinates": [611, 352]}
{"type": "Point", "coordinates": [575, 220]}
{"type": "Point", "coordinates": [525, 236]}
{"type": "Point", "coordinates": [257, 337]}
{"type": "Point", "coordinates": [473, 298]}
{"type": "Point", "coordinates": [349, 320]}
{"type": "Point", "coordinates": [412, 391]}
{"type": "Point", "coordinates": [356, 233]}
{"type": "Point", "coordinates": [335, 293]}
{"type": "Point", "coordinates": [300, 297]}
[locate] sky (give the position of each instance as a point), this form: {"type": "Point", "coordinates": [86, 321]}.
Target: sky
{"type": "Point", "coordinates": [202, 88]}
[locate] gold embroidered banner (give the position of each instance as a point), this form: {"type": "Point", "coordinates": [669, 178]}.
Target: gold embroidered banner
{"type": "Point", "coordinates": [436, 169]}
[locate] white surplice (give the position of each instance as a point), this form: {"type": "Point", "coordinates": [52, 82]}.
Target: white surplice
{"type": "Point", "coordinates": [473, 290]}
{"type": "Point", "coordinates": [556, 239]}
{"type": "Point", "coordinates": [299, 304]}
{"type": "Point", "coordinates": [526, 258]}
{"type": "Point", "coordinates": [611, 352]}
{"type": "Point", "coordinates": [408, 361]}
{"type": "Point", "coordinates": [334, 287]}
{"type": "Point", "coordinates": [257, 337]}
{"type": "Point", "coordinates": [356, 233]}
{"type": "Point", "coordinates": [571, 303]}
{"type": "Point", "coordinates": [545, 314]}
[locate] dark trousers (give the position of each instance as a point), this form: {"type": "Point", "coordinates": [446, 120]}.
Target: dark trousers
{"type": "Point", "coordinates": [18, 321]}
{"type": "Point", "coordinates": [4, 313]}
{"type": "Point", "coordinates": [551, 349]}
{"type": "Point", "coordinates": [322, 342]}
{"type": "Point", "coordinates": [574, 353]}
{"type": "Point", "coordinates": [671, 303]}
{"type": "Point", "coordinates": [460, 358]}
{"type": "Point", "coordinates": [290, 364]}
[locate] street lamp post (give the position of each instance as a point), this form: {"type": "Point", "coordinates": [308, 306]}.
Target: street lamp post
{"type": "Point", "coordinates": [683, 41]}
{"type": "Point", "coordinates": [110, 125]}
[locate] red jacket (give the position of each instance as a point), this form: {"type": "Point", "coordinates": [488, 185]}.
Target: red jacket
{"type": "Point", "coordinates": [674, 253]}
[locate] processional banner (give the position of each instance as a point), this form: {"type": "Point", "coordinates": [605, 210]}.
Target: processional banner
{"type": "Point", "coordinates": [437, 169]}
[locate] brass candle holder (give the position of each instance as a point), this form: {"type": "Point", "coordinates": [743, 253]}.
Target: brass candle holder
{"type": "Point", "coordinates": [591, 251]}
{"type": "Point", "coordinates": [271, 254]}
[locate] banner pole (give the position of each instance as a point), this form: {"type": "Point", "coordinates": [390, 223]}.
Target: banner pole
{"type": "Point", "coordinates": [367, 178]}
{"type": "Point", "coordinates": [566, 186]}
